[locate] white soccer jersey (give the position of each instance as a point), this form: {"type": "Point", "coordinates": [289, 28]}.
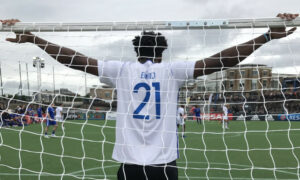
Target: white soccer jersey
{"type": "Point", "coordinates": [225, 111]}
{"type": "Point", "coordinates": [58, 111]}
{"type": "Point", "coordinates": [180, 119]}
{"type": "Point", "coordinates": [146, 108]}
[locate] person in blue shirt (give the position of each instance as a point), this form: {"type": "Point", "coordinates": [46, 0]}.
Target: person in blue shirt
{"type": "Point", "coordinates": [40, 114]}
{"type": "Point", "coordinates": [7, 119]}
{"type": "Point", "coordinates": [30, 113]}
{"type": "Point", "coordinates": [197, 112]}
{"type": "Point", "coordinates": [50, 121]}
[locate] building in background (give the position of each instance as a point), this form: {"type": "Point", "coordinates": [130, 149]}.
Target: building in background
{"type": "Point", "coordinates": [62, 95]}
{"type": "Point", "coordinates": [104, 92]}
{"type": "Point", "coordinates": [247, 78]}
{"type": "Point", "coordinates": [240, 84]}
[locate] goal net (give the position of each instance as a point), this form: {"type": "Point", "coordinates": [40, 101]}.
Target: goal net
{"type": "Point", "coordinates": [261, 95]}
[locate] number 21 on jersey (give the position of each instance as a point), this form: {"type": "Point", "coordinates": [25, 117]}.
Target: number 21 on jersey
{"type": "Point", "coordinates": [156, 86]}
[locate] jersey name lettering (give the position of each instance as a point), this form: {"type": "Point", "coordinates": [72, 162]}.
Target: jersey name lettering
{"type": "Point", "coordinates": [147, 75]}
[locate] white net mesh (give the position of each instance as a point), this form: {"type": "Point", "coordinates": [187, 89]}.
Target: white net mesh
{"type": "Point", "coordinates": [262, 97]}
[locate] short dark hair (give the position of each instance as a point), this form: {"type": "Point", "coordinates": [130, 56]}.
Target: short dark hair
{"type": "Point", "coordinates": [58, 104]}
{"type": "Point", "coordinates": [149, 44]}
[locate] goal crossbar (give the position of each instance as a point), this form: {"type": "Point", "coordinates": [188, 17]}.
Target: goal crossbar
{"type": "Point", "coordinates": [151, 25]}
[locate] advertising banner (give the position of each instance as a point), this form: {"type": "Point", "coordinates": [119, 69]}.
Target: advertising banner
{"type": "Point", "coordinates": [254, 117]}
{"type": "Point", "coordinates": [91, 116]}
{"type": "Point", "coordinates": [215, 116]}
{"type": "Point", "coordinates": [111, 116]}
{"type": "Point", "coordinates": [288, 117]}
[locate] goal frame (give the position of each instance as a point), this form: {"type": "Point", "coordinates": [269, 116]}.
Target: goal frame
{"type": "Point", "coordinates": [150, 25]}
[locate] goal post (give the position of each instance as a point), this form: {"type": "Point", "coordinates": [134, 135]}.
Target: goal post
{"type": "Point", "coordinates": [257, 100]}
{"type": "Point", "coordinates": [151, 25]}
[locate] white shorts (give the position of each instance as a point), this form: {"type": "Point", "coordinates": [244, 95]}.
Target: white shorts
{"type": "Point", "coordinates": [59, 119]}
{"type": "Point", "coordinates": [180, 121]}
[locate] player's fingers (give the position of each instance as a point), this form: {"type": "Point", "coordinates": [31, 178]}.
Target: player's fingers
{"type": "Point", "coordinates": [7, 22]}
{"type": "Point", "coordinates": [294, 16]}
{"type": "Point", "coordinates": [16, 20]}
{"type": "Point", "coordinates": [291, 31]}
{"type": "Point", "coordinates": [10, 21]}
{"type": "Point", "coordinates": [13, 21]}
{"type": "Point", "coordinates": [12, 40]}
{"type": "Point", "coordinates": [3, 21]}
{"type": "Point", "coordinates": [286, 16]}
{"type": "Point", "coordinates": [280, 15]}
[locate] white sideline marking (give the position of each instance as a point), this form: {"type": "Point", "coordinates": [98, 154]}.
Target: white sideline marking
{"type": "Point", "coordinates": [91, 169]}
{"type": "Point", "coordinates": [92, 175]}
{"type": "Point", "coordinates": [182, 162]}
{"type": "Point", "coordinates": [238, 165]}
{"type": "Point", "coordinates": [47, 175]}
{"type": "Point", "coordinates": [227, 135]}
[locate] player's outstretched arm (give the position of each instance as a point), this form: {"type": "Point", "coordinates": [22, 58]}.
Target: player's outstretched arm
{"type": "Point", "coordinates": [66, 56]}
{"type": "Point", "coordinates": [236, 54]}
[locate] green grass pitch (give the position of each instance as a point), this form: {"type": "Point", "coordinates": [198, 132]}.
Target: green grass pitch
{"type": "Point", "coordinates": [248, 150]}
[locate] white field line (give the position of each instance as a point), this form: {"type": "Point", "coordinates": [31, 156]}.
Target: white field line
{"type": "Point", "coordinates": [91, 169]}
{"type": "Point", "coordinates": [238, 165]}
{"type": "Point", "coordinates": [181, 177]}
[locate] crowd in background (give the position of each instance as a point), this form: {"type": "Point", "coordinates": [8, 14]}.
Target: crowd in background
{"type": "Point", "coordinates": [255, 103]}
{"type": "Point", "coordinates": [264, 102]}
{"type": "Point", "coordinates": [22, 116]}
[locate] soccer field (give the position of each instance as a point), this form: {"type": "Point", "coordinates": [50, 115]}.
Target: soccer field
{"type": "Point", "coordinates": [248, 150]}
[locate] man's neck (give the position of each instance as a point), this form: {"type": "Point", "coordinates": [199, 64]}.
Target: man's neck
{"type": "Point", "coordinates": [154, 60]}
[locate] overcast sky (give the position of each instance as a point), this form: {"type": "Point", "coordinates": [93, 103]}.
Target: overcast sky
{"type": "Point", "coordinates": [282, 55]}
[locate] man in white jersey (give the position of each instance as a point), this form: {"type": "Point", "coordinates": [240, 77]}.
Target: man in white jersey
{"type": "Point", "coordinates": [180, 119]}
{"type": "Point", "coordinates": [59, 115]}
{"type": "Point", "coordinates": [225, 116]}
{"type": "Point", "coordinates": [146, 138]}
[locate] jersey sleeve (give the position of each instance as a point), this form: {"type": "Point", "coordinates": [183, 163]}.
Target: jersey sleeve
{"type": "Point", "coordinates": [109, 71]}
{"type": "Point", "coordinates": [182, 71]}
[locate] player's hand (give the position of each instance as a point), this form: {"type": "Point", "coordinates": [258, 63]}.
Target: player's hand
{"type": "Point", "coordinates": [281, 32]}
{"type": "Point", "coordinates": [21, 37]}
